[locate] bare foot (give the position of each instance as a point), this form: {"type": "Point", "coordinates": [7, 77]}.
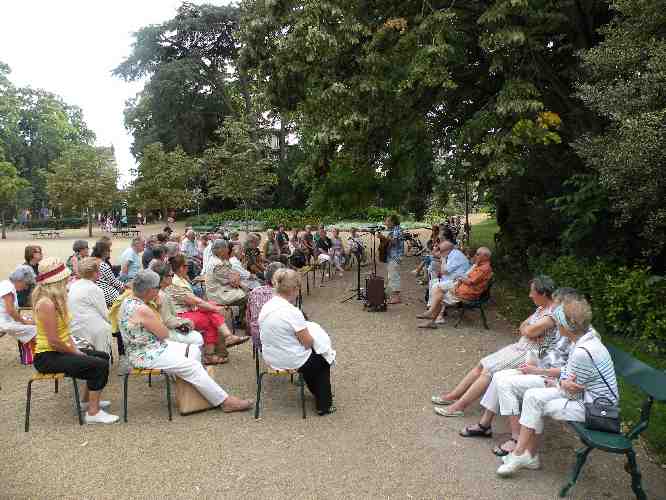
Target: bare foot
{"type": "Point", "coordinates": [233, 340]}
{"type": "Point", "coordinates": [232, 404]}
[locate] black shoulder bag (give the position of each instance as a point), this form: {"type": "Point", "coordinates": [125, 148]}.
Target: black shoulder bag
{"type": "Point", "coordinates": [602, 414]}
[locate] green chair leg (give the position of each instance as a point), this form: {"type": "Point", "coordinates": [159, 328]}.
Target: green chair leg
{"type": "Point", "coordinates": [168, 394]}
{"type": "Point", "coordinates": [301, 382]}
{"type": "Point", "coordinates": [635, 476]}
{"type": "Point", "coordinates": [581, 457]}
{"type": "Point", "coordinates": [258, 403]}
{"type": "Point", "coordinates": [483, 317]}
{"type": "Point", "coordinates": [28, 398]}
{"type": "Point", "coordinates": [56, 386]}
{"type": "Point", "coordinates": [77, 400]}
{"type": "Point", "coordinates": [125, 383]}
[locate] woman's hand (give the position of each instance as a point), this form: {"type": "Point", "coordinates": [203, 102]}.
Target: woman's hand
{"type": "Point", "coordinates": [570, 385]}
{"type": "Point", "coordinates": [528, 369]}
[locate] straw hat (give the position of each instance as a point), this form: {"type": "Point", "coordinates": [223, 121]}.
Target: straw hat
{"type": "Point", "coordinates": [52, 270]}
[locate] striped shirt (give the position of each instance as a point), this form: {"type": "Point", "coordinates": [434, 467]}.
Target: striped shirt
{"type": "Point", "coordinates": [587, 371]}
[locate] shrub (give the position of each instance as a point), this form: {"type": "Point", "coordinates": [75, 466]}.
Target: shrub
{"type": "Point", "coordinates": [626, 301]}
{"type": "Point", "coordinates": [270, 216]}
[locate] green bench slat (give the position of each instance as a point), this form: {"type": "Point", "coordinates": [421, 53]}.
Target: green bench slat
{"type": "Point", "coordinates": [635, 372]}
{"type": "Point", "coordinates": [614, 443]}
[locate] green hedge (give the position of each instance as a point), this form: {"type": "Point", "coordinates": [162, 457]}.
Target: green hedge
{"type": "Point", "coordinates": [626, 301]}
{"type": "Point", "coordinates": [289, 217]}
{"type": "Point", "coordinates": [66, 223]}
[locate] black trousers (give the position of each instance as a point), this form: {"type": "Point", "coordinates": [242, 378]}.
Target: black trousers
{"type": "Point", "coordinates": [93, 367]}
{"type": "Point", "coordinates": [317, 374]}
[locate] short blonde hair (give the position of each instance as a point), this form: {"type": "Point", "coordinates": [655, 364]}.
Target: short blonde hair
{"type": "Point", "coordinates": [578, 314]}
{"type": "Point", "coordinates": [88, 268]}
{"type": "Point", "coordinates": [285, 280]}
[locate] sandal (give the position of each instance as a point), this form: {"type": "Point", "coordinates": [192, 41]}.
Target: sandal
{"type": "Point", "coordinates": [445, 412]}
{"type": "Point", "coordinates": [501, 452]}
{"type": "Point", "coordinates": [214, 359]}
{"type": "Point", "coordinates": [479, 431]}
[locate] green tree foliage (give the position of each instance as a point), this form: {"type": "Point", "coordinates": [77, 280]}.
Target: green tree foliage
{"type": "Point", "coordinates": [625, 83]}
{"type": "Point", "coordinates": [240, 168]}
{"type": "Point", "coordinates": [190, 90]}
{"type": "Point", "coordinates": [164, 179]}
{"type": "Point", "coordinates": [83, 178]}
{"type": "Point", "coordinates": [36, 127]}
{"type": "Point", "coordinates": [11, 185]}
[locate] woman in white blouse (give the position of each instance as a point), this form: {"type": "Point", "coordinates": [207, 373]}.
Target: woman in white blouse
{"type": "Point", "coordinates": [288, 344]}
{"type": "Point", "coordinates": [87, 306]}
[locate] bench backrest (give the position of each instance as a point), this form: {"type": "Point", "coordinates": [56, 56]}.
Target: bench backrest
{"type": "Point", "coordinates": [635, 372]}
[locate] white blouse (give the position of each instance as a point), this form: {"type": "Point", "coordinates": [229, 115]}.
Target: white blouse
{"type": "Point", "coordinates": [278, 323]}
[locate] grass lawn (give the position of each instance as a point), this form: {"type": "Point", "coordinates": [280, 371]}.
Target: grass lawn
{"type": "Point", "coordinates": [510, 295]}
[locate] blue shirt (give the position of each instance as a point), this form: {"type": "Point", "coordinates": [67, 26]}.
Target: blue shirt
{"type": "Point", "coordinates": [456, 264]}
{"type": "Point", "coordinates": [396, 249]}
{"type": "Point", "coordinates": [190, 248]}
{"type": "Point", "coordinates": [134, 264]}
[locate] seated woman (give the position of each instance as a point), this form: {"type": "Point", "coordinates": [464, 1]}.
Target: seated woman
{"type": "Point", "coordinates": [180, 329]}
{"type": "Point", "coordinates": [271, 249]}
{"type": "Point", "coordinates": [106, 280]}
{"type": "Point", "coordinates": [287, 343]}
{"type": "Point", "coordinates": [33, 255]}
{"type": "Point", "coordinates": [537, 333]}
{"type": "Point", "coordinates": [147, 345]}
{"type": "Point", "coordinates": [87, 306]}
{"type": "Point", "coordinates": [236, 259]}
{"type": "Point", "coordinates": [81, 251]}
{"type": "Point", "coordinates": [10, 320]}
{"type": "Point", "coordinates": [54, 350]}
{"type": "Point", "coordinates": [256, 300]}
{"type": "Point", "coordinates": [506, 390]}
{"type": "Point", "coordinates": [589, 374]}
{"type": "Point", "coordinates": [207, 317]}
{"type": "Point", "coordinates": [253, 259]}
{"type": "Point", "coordinates": [338, 252]}
{"type": "Point", "coordinates": [223, 284]}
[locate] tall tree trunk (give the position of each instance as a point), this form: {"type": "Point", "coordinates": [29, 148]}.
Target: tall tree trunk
{"type": "Point", "coordinates": [283, 140]}
{"type": "Point", "coordinates": [2, 221]}
{"type": "Point", "coordinates": [89, 223]}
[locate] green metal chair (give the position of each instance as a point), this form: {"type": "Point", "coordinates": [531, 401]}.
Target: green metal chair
{"type": "Point", "coordinates": [650, 381]}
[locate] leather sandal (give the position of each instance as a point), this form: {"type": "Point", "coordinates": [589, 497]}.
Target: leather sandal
{"type": "Point", "coordinates": [479, 431]}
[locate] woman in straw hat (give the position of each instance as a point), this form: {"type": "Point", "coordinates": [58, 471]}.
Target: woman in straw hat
{"type": "Point", "coordinates": [55, 352]}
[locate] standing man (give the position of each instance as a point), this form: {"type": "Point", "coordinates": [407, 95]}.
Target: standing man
{"type": "Point", "coordinates": [394, 253]}
{"type": "Point", "coordinates": [130, 260]}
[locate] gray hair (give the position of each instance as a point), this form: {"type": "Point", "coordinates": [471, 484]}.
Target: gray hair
{"type": "Point", "coordinates": [79, 245]}
{"type": "Point", "coordinates": [485, 251]}
{"type": "Point", "coordinates": [566, 293]}
{"type": "Point", "coordinates": [579, 315]}
{"type": "Point", "coordinates": [162, 269]}
{"type": "Point", "coordinates": [137, 240]}
{"type": "Point", "coordinates": [219, 245]}
{"type": "Point", "coordinates": [172, 248]}
{"type": "Point", "coordinates": [23, 273]}
{"type": "Point", "coordinates": [272, 268]}
{"type": "Point", "coordinates": [145, 280]}
{"type": "Point", "coordinates": [543, 285]}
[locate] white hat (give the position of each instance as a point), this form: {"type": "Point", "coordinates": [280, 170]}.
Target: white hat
{"type": "Point", "coordinates": [52, 270]}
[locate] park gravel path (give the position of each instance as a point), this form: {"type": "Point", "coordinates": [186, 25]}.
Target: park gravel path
{"type": "Point", "coordinates": [384, 441]}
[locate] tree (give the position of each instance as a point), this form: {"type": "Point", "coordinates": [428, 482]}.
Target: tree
{"type": "Point", "coordinates": [240, 168]}
{"type": "Point", "coordinates": [189, 90]}
{"type": "Point", "coordinates": [10, 186]}
{"type": "Point", "coordinates": [83, 178]}
{"type": "Point", "coordinates": [164, 179]}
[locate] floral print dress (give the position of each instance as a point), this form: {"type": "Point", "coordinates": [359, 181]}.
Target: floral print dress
{"type": "Point", "coordinates": [143, 348]}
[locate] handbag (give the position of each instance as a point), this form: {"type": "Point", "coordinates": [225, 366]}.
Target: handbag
{"type": "Point", "coordinates": [188, 399]}
{"type": "Point", "coordinates": [602, 414]}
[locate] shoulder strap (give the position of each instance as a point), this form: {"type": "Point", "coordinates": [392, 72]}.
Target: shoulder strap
{"type": "Point", "coordinates": [600, 374]}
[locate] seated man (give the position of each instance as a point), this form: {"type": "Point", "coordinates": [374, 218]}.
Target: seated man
{"type": "Point", "coordinates": [470, 287]}
{"type": "Point", "coordinates": [130, 260]}
{"type": "Point", "coordinates": [147, 344]}
{"type": "Point", "coordinates": [506, 390]}
{"type": "Point", "coordinates": [454, 265]}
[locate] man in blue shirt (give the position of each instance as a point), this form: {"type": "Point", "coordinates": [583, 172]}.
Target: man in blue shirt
{"type": "Point", "coordinates": [130, 260]}
{"type": "Point", "coordinates": [394, 254]}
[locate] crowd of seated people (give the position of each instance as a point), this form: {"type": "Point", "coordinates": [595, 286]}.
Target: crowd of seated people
{"type": "Point", "coordinates": [157, 304]}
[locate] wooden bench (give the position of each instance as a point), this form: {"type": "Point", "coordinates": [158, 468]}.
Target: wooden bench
{"type": "Point", "coordinates": [203, 229]}
{"type": "Point", "coordinates": [650, 381]}
{"type": "Point", "coordinates": [128, 232]}
{"type": "Point", "coordinates": [468, 305]}
{"type": "Point", "coordinates": [43, 233]}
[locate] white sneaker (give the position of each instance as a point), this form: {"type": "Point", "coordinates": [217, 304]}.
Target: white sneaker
{"type": "Point", "coordinates": [440, 321]}
{"type": "Point", "coordinates": [513, 463]}
{"type": "Point", "coordinates": [101, 417]}
{"type": "Point", "coordinates": [102, 404]}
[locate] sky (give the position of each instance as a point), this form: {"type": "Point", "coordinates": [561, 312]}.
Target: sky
{"type": "Point", "coordinates": [70, 47]}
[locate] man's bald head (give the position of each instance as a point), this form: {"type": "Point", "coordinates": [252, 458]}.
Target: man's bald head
{"type": "Point", "coordinates": [446, 246]}
{"type": "Point", "coordinates": [484, 253]}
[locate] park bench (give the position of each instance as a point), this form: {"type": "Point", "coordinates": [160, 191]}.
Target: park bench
{"type": "Point", "coordinates": [126, 232]}
{"type": "Point", "coordinates": [203, 229]}
{"type": "Point", "coordinates": [468, 305]}
{"type": "Point", "coordinates": [650, 381]}
{"type": "Point", "coordinates": [44, 233]}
